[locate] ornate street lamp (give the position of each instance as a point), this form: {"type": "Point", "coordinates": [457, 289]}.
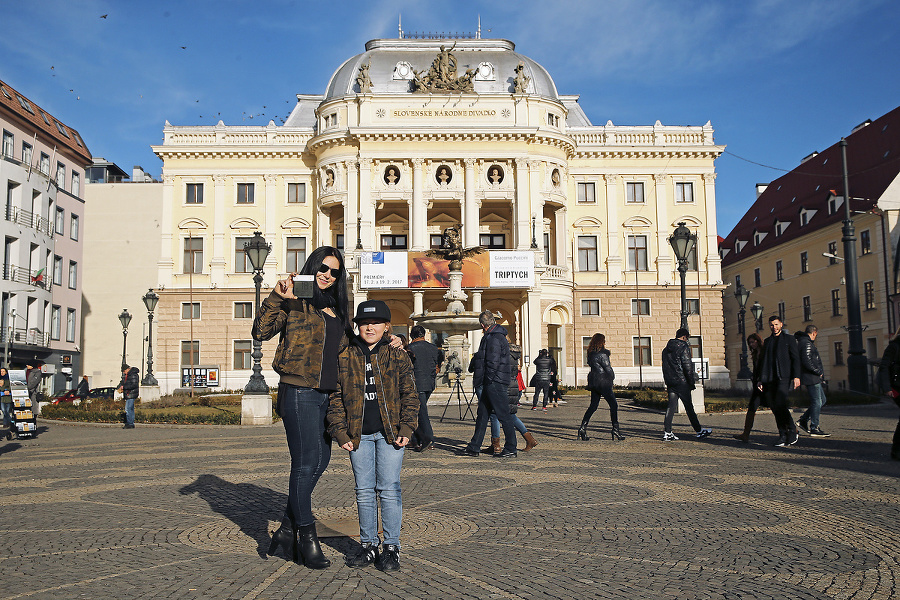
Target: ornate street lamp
{"type": "Point", "coordinates": [257, 251]}
{"type": "Point", "coordinates": [742, 294]}
{"type": "Point", "coordinates": [124, 319]}
{"type": "Point", "coordinates": [683, 242]}
{"type": "Point", "coordinates": [757, 311]}
{"type": "Point", "coordinates": [150, 299]}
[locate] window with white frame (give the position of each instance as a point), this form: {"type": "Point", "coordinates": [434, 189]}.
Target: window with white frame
{"type": "Point", "coordinates": [242, 262]}
{"type": "Point", "coordinates": [193, 193]}
{"type": "Point", "coordinates": [634, 192]}
{"type": "Point", "coordinates": [193, 255]}
{"type": "Point", "coordinates": [643, 355]}
{"type": "Point", "coordinates": [684, 192]}
{"type": "Point", "coordinates": [393, 242]}
{"type": "Point", "coordinates": [190, 311]}
{"type": "Point", "coordinates": [28, 154]}
{"type": "Point", "coordinates": [70, 325]}
{"type": "Point", "coordinates": [243, 310]}
{"type": "Point", "coordinates": [60, 176]}
{"type": "Point", "coordinates": [834, 203]}
{"type": "Point", "coordinates": [242, 351]}
{"type": "Point", "coordinates": [296, 254]}
{"type": "Point", "coordinates": [9, 142]}
{"type": "Point", "coordinates": [586, 193]}
{"type": "Point", "coordinates": [73, 227]}
{"type": "Point", "coordinates": [55, 322]}
{"type": "Point", "coordinates": [587, 253]}
{"type": "Point", "coordinates": [59, 222]}
{"type": "Point", "coordinates": [296, 193]}
{"type": "Point", "coordinates": [45, 164]}
{"type": "Point", "coordinates": [637, 253]}
{"type": "Point", "coordinates": [245, 193]}
{"type": "Point", "coordinates": [693, 305]}
{"type": "Point", "coordinates": [73, 274]}
{"type": "Point", "coordinates": [57, 270]}
{"type": "Point", "coordinates": [76, 184]}
{"type": "Point", "coordinates": [493, 241]}
{"type": "Point", "coordinates": [640, 307]}
{"type": "Point", "coordinates": [590, 308]}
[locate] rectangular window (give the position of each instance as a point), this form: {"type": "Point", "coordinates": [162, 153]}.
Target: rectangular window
{"type": "Point", "coordinates": [756, 278]}
{"type": "Point", "coordinates": [865, 242]}
{"type": "Point", "coordinates": [781, 312]}
{"type": "Point", "coordinates": [835, 303]}
{"type": "Point", "coordinates": [832, 249]}
{"type": "Point", "coordinates": [193, 193]}
{"type": "Point", "coordinates": [640, 306]}
{"type": "Point", "coordinates": [684, 192]}
{"type": "Point", "coordinates": [804, 262]}
{"type": "Point", "coordinates": [642, 351]}
{"type": "Point", "coordinates": [73, 227]}
{"type": "Point", "coordinates": [493, 241]}
{"type": "Point", "coordinates": [76, 185]}
{"type": "Point", "coordinates": [55, 322]}
{"type": "Point", "coordinates": [45, 164]}
{"type": "Point", "coordinates": [73, 275]}
{"type": "Point", "coordinates": [869, 293]}
{"type": "Point", "coordinates": [242, 262]}
{"type": "Point", "coordinates": [339, 241]}
{"type": "Point", "coordinates": [435, 241]}
{"type": "Point", "coordinates": [585, 343]}
{"type": "Point", "coordinates": [242, 350]}
{"type": "Point", "coordinates": [637, 253]}
{"type": "Point", "coordinates": [634, 192]}
{"type": "Point", "coordinates": [28, 155]}
{"type": "Point", "coordinates": [193, 255]}
{"type": "Point", "coordinates": [296, 254]}
{"type": "Point", "coordinates": [779, 270]}
{"type": "Point", "coordinates": [296, 193]}
{"type": "Point", "coordinates": [70, 325]}
{"type": "Point", "coordinates": [245, 193]}
{"type": "Point", "coordinates": [60, 176]}
{"type": "Point", "coordinates": [693, 306]}
{"type": "Point", "coordinates": [243, 310]}
{"type": "Point", "coordinates": [190, 352]}
{"type": "Point", "coordinates": [393, 242]}
{"type": "Point", "coordinates": [9, 142]}
{"type": "Point", "coordinates": [190, 310]}
{"type": "Point", "coordinates": [587, 253]}
{"type": "Point", "coordinates": [59, 222]}
{"type": "Point", "coordinates": [696, 343]}
{"type": "Point", "coordinates": [590, 308]}
{"type": "Point", "coordinates": [586, 193]}
{"type": "Point", "coordinates": [839, 353]}
{"type": "Point", "coordinates": [737, 281]}
{"type": "Point", "coordinates": [57, 269]}
{"type": "Point", "coordinates": [547, 249]}
{"type": "Point", "coordinates": [807, 309]}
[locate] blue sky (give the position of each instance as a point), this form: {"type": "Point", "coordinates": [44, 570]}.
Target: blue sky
{"type": "Point", "coordinates": [778, 79]}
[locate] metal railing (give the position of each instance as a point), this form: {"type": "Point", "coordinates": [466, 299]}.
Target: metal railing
{"type": "Point", "coordinates": [23, 276]}
{"type": "Point", "coordinates": [26, 218]}
{"type": "Point", "coordinates": [30, 337]}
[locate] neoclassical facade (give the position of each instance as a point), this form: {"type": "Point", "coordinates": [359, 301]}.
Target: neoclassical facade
{"type": "Point", "coordinates": [412, 137]}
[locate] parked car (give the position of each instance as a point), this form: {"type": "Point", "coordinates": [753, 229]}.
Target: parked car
{"type": "Point", "coordinates": [102, 392]}
{"type": "Point", "coordinates": [65, 397]}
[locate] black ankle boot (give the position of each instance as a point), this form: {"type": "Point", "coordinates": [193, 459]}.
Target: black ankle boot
{"type": "Point", "coordinates": [286, 537]}
{"type": "Point", "coordinates": [309, 549]}
{"type": "Point", "coordinates": [582, 431]}
{"type": "Point", "coordinates": [616, 434]}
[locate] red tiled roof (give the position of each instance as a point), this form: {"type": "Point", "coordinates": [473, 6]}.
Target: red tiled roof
{"type": "Point", "coordinates": [873, 162]}
{"type": "Point", "coordinates": [37, 119]}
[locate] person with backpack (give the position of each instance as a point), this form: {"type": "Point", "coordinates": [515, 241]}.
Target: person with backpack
{"type": "Point", "coordinates": [889, 382]}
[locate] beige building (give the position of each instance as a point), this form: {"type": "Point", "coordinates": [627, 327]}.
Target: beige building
{"type": "Point", "coordinates": [413, 136]}
{"type": "Point", "coordinates": [787, 250]}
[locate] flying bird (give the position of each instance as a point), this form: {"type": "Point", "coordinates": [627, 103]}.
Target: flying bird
{"type": "Point", "coordinates": [184, 47]}
{"type": "Point", "coordinates": [104, 16]}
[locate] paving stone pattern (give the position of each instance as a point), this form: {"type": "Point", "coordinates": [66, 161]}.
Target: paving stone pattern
{"type": "Point", "coordinates": [93, 511]}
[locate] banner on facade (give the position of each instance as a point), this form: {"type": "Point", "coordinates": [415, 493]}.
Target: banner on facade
{"type": "Point", "coordinates": [498, 268]}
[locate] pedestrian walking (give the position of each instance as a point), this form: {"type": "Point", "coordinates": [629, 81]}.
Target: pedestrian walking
{"type": "Point", "coordinates": [513, 393]}
{"type": "Point", "coordinates": [779, 374]}
{"type": "Point", "coordinates": [811, 375]}
{"type": "Point", "coordinates": [678, 372]}
{"type": "Point", "coordinates": [600, 382]}
{"type": "Point", "coordinates": [427, 363]}
{"type": "Point", "coordinates": [889, 381]}
{"type": "Point", "coordinates": [130, 386]}
{"type": "Point", "coordinates": [754, 342]}
{"type": "Point", "coordinates": [6, 405]}
{"type": "Point", "coordinates": [546, 368]}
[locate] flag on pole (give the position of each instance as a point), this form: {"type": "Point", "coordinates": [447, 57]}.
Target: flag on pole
{"type": "Point", "coordinates": [38, 277]}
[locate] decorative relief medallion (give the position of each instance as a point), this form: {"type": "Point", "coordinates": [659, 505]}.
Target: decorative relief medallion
{"type": "Point", "coordinates": [505, 113]}
{"type": "Point", "coordinates": [391, 175]}
{"type": "Point", "coordinates": [443, 175]}
{"type": "Point", "coordinates": [495, 175]}
{"type": "Point", "coordinates": [380, 113]}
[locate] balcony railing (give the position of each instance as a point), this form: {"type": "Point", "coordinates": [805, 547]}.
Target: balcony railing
{"type": "Point", "coordinates": [24, 276]}
{"type": "Point", "coordinates": [29, 337]}
{"type": "Point", "coordinates": [556, 272]}
{"type": "Point", "coordinates": [26, 218]}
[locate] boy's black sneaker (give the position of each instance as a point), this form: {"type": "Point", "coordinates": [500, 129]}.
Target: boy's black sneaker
{"type": "Point", "coordinates": [364, 556]}
{"type": "Point", "coordinates": [804, 425]}
{"type": "Point", "coordinates": [816, 432]}
{"type": "Point", "coordinates": [389, 559]}
{"type": "Point", "coordinates": [506, 454]}
{"type": "Point", "coordinates": [467, 452]}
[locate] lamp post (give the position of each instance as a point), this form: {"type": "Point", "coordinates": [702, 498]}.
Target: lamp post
{"type": "Point", "coordinates": [257, 251]}
{"type": "Point", "coordinates": [534, 231]}
{"type": "Point", "coordinates": [683, 241]}
{"type": "Point", "coordinates": [124, 319]}
{"type": "Point", "coordinates": [742, 294]}
{"type": "Point", "coordinates": [757, 311]}
{"type": "Point", "coordinates": [150, 299]}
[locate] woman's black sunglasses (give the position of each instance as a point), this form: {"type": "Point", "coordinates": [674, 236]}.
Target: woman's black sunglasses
{"type": "Point", "coordinates": [334, 272]}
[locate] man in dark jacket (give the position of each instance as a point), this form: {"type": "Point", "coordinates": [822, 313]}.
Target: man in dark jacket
{"type": "Point", "coordinates": [494, 352]}
{"type": "Point", "coordinates": [889, 382]}
{"type": "Point", "coordinates": [811, 373]}
{"type": "Point", "coordinates": [425, 366]}
{"type": "Point", "coordinates": [33, 378]}
{"type": "Point", "coordinates": [779, 373]}
{"type": "Point", "coordinates": [678, 372]}
{"type": "Point", "coordinates": [545, 371]}
{"type": "Point", "coordinates": [83, 388]}
{"type": "Point", "coordinates": [130, 387]}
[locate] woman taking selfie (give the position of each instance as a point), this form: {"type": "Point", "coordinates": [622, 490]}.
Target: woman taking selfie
{"type": "Point", "coordinates": [313, 331]}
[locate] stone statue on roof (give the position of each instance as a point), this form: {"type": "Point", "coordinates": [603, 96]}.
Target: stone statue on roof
{"type": "Point", "coordinates": [520, 83]}
{"type": "Point", "coordinates": [363, 80]}
{"type": "Point", "coordinates": [441, 76]}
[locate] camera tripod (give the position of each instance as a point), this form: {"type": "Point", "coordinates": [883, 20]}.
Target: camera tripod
{"type": "Point", "coordinates": [461, 397]}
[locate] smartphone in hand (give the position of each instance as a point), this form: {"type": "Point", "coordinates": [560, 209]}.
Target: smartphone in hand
{"type": "Point", "coordinates": [303, 286]}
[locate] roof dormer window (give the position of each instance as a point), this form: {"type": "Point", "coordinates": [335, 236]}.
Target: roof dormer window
{"type": "Point", "coordinates": [758, 237]}
{"type": "Point", "coordinates": [834, 203]}
{"type": "Point", "coordinates": [25, 104]}
{"type": "Point", "coordinates": [739, 245]}
{"type": "Point", "coordinates": [806, 214]}
{"type": "Point", "coordinates": [780, 226]}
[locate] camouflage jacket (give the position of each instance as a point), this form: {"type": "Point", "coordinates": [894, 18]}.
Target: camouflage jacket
{"type": "Point", "coordinates": [396, 386]}
{"type": "Point", "coordinates": [298, 358]}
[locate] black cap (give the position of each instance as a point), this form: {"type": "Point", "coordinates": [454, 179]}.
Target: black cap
{"type": "Point", "coordinates": [375, 310]}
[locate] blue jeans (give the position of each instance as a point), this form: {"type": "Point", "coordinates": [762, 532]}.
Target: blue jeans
{"type": "Point", "coordinates": [303, 414]}
{"type": "Point", "coordinates": [517, 423]}
{"type": "Point", "coordinates": [7, 413]}
{"type": "Point", "coordinates": [376, 469]}
{"type": "Point", "coordinates": [493, 398]}
{"type": "Point", "coordinates": [816, 402]}
{"type": "Point", "coordinates": [129, 411]}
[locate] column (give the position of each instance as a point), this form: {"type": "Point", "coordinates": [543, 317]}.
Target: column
{"type": "Point", "coordinates": [521, 212]}
{"type": "Point", "coordinates": [270, 229]}
{"type": "Point", "coordinates": [323, 223]}
{"type": "Point", "coordinates": [366, 206]}
{"type": "Point", "coordinates": [217, 243]}
{"type": "Point", "coordinates": [418, 303]}
{"type": "Point", "coordinates": [166, 264]}
{"type": "Point", "coordinates": [666, 261]}
{"type": "Point", "coordinates": [418, 212]}
{"type": "Point", "coordinates": [614, 242]}
{"type": "Point", "coordinates": [471, 209]}
{"type": "Point", "coordinates": [477, 334]}
{"type": "Point", "coordinates": [351, 208]}
{"type": "Point", "coordinates": [562, 239]}
{"type": "Point", "coordinates": [713, 261]}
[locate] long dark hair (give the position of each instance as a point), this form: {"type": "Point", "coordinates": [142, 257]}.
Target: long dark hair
{"type": "Point", "coordinates": [598, 342]}
{"type": "Point", "coordinates": [336, 296]}
{"type": "Point", "coordinates": [755, 353]}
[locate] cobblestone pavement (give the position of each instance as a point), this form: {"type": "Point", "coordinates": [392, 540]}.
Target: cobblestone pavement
{"type": "Point", "coordinates": [186, 512]}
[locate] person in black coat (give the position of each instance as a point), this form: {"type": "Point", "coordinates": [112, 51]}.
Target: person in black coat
{"type": "Point", "coordinates": [130, 387]}
{"type": "Point", "coordinates": [426, 363]}
{"type": "Point", "coordinates": [83, 388]}
{"type": "Point", "coordinates": [755, 343]}
{"type": "Point", "coordinates": [812, 372]}
{"type": "Point", "coordinates": [543, 377]}
{"type": "Point", "coordinates": [678, 372]}
{"type": "Point", "coordinates": [779, 373]}
{"type": "Point", "coordinates": [600, 383]}
{"type": "Point", "coordinates": [512, 394]}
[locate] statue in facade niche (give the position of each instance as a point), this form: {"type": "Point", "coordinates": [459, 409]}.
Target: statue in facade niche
{"type": "Point", "coordinates": [363, 80]}
{"type": "Point", "coordinates": [452, 248]}
{"type": "Point", "coordinates": [441, 76]}
{"type": "Point", "coordinates": [520, 83]}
